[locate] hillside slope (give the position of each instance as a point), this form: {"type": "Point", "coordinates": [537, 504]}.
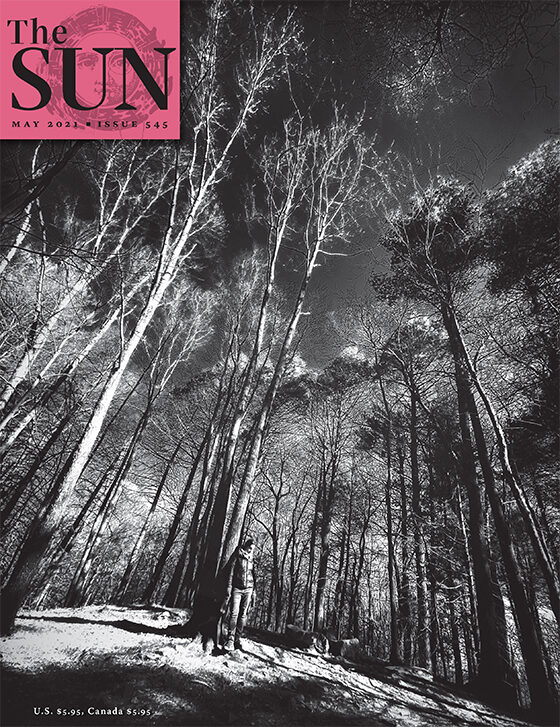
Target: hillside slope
{"type": "Point", "coordinates": [88, 666]}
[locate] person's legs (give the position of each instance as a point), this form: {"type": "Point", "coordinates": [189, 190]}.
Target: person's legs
{"type": "Point", "coordinates": [236, 597]}
{"type": "Point", "coordinates": [242, 618]}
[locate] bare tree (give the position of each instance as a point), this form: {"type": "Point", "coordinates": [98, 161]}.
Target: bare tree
{"type": "Point", "coordinates": [321, 171]}
{"type": "Point", "coordinates": [194, 171]}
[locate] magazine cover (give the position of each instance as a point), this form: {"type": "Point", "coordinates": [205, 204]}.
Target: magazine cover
{"type": "Point", "coordinates": [279, 363]}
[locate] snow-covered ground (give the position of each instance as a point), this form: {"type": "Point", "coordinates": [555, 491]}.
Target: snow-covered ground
{"type": "Point", "coordinates": [87, 667]}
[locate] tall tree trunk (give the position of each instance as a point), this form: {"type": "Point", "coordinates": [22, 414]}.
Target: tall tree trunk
{"type": "Point", "coordinates": [357, 580]}
{"type": "Point", "coordinates": [543, 699]}
{"type": "Point", "coordinates": [455, 638]}
{"type": "Point", "coordinates": [276, 589]}
{"type": "Point", "coordinates": [530, 519]}
{"type": "Point", "coordinates": [470, 653]}
{"type": "Point", "coordinates": [290, 610]}
{"type": "Point", "coordinates": [470, 570]}
{"type": "Point", "coordinates": [494, 670]}
{"type": "Point", "coordinates": [395, 656]}
{"type": "Point", "coordinates": [436, 623]}
{"type": "Point", "coordinates": [423, 632]}
{"type": "Point", "coordinates": [183, 576]}
{"type": "Point", "coordinates": [344, 568]}
{"type": "Point", "coordinates": [542, 693]}
{"type": "Point", "coordinates": [182, 586]}
{"type": "Point", "coordinates": [404, 592]}
{"type": "Point", "coordinates": [327, 498]}
{"type": "Point", "coordinates": [307, 620]}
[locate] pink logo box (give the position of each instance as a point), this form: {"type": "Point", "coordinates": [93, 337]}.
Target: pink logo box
{"type": "Point", "coordinates": [73, 69]}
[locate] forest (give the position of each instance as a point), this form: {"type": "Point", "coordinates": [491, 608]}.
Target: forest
{"type": "Point", "coordinates": [179, 367]}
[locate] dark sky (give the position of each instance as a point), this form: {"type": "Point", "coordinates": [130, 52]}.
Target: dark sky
{"type": "Point", "coordinates": [496, 121]}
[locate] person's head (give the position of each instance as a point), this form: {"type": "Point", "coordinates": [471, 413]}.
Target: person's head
{"type": "Point", "coordinates": [248, 544]}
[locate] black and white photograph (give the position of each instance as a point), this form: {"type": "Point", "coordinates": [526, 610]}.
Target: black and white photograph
{"type": "Point", "coordinates": [279, 399]}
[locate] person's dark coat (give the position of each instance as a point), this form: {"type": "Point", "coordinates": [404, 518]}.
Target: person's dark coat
{"type": "Point", "coordinates": [243, 576]}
